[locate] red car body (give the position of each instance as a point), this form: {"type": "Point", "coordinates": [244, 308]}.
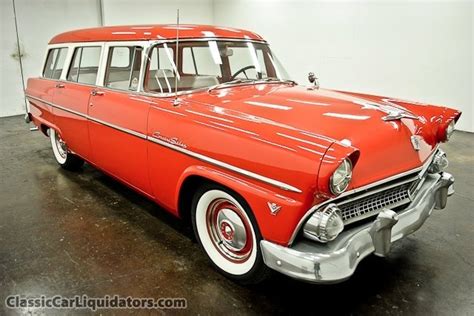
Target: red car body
{"type": "Point", "coordinates": [270, 142]}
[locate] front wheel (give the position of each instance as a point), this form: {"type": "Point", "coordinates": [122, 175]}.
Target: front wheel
{"type": "Point", "coordinates": [228, 234]}
{"type": "Point", "coordinates": [64, 158]}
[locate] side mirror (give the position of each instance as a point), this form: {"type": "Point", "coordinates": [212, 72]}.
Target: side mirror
{"type": "Point", "coordinates": [314, 80]}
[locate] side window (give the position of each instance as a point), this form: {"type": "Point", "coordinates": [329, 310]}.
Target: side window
{"type": "Point", "coordinates": [123, 67]}
{"type": "Point", "coordinates": [161, 71]}
{"type": "Point", "coordinates": [84, 65]}
{"type": "Point", "coordinates": [162, 58]}
{"type": "Point", "coordinates": [54, 63]}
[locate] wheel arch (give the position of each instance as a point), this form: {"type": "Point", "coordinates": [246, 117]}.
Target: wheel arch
{"type": "Point", "coordinates": [273, 228]}
{"type": "Point", "coordinates": [44, 125]}
{"type": "Point", "coordinates": [193, 178]}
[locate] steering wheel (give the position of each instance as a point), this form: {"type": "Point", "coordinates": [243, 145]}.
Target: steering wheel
{"type": "Point", "coordinates": [238, 72]}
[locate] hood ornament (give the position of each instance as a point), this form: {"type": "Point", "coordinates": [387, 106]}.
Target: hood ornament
{"type": "Point", "coordinates": [392, 112]}
{"type": "Point", "coordinates": [393, 115]}
{"type": "Point", "coordinates": [274, 208]}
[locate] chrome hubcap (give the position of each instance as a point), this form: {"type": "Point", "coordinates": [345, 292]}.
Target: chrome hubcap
{"type": "Point", "coordinates": [229, 230]}
{"type": "Point", "coordinates": [61, 146]}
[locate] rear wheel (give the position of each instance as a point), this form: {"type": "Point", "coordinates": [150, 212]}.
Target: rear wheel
{"type": "Point", "coordinates": [64, 158]}
{"type": "Point", "coordinates": [228, 234]}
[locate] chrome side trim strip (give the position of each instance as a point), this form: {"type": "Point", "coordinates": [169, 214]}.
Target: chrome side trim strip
{"type": "Point", "coordinates": [420, 171]}
{"type": "Point", "coordinates": [122, 129]}
{"type": "Point", "coordinates": [184, 151]}
{"type": "Point", "coordinates": [57, 106]}
{"type": "Point", "coordinates": [227, 166]}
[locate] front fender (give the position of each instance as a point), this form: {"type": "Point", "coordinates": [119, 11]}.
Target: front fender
{"type": "Point", "coordinates": [277, 227]}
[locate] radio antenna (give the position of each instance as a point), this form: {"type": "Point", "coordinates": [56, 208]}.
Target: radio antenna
{"type": "Point", "coordinates": [176, 100]}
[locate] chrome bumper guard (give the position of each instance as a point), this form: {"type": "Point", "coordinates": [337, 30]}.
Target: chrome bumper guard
{"type": "Point", "coordinates": [337, 260]}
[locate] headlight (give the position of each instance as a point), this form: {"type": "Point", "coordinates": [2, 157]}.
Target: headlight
{"type": "Point", "coordinates": [324, 225]}
{"type": "Point", "coordinates": [450, 130]}
{"type": "Point", "coordinates": [439, 163]}
{"type": "Point", "coordinates": [341, 178]}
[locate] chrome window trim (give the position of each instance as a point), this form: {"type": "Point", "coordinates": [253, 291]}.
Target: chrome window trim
{"type": "Point", "coordinates": [184, 151]}
{"type": "Point", "coordinates": [147, 45]}
{"type": "Point", "coordinates": [419, 173]}
{"type": "Point", "coordinates": [152, 44]}
{"type": "Point", "coordinates": [204, 39]}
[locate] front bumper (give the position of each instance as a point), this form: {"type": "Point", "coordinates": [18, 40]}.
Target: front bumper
{"type": "Point", "coordinates": [337, 260]}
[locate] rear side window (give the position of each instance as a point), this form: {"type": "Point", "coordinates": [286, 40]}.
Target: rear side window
{"type": "Point", "coordinates": [54, 63]}
{"type": "Point", "coordinates": [84, 65]}
{"type": "Point", "coordinates": [123, 67]}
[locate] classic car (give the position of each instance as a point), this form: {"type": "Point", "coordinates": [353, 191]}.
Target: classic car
{"type": "Point", "coordinates": [271, 175]}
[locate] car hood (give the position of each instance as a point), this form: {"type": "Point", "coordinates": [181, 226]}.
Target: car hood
{"type": "Point", "coordinates": [316, 119]}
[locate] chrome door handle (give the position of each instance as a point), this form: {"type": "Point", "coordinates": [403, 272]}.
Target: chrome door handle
{"type": "Point", "coordinates": [60, 85]}
{"type": "Point", "coordinates": [97, 93]}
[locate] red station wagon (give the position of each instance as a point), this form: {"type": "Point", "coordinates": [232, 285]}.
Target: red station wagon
{"type": "Point", "coordinates": [205, 121]}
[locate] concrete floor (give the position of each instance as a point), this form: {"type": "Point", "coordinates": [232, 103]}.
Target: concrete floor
{"type": "Point", "coordinates": [84, 233]}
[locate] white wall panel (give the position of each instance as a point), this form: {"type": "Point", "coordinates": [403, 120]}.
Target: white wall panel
{"type": "Point", "coordinates": [119, 12]}
{"type": "Point", "coordinates": [414, 50]}
{"type": "Point", "coordinates": [38, 22]}
{"type": "Point", "coordinates": [10, 77]}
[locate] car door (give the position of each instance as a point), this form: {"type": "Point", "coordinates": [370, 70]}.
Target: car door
{"type": "Point", "coordinates": [72, 98]}
{"type": "Point", "coordinates": [42, 91]}
{"type": "Point", "coordinates": [118, 118]}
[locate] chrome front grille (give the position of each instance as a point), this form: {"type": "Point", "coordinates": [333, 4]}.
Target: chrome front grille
{"type": "Point", "coordinates": [371, 204]}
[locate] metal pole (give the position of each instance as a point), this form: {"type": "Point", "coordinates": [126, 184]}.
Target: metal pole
{"type": "Point", "coordinates": [19, 57]}
{"type": "Point", "coordinates": [176, 100]}
{"type": "Point", "coordinates": [100, 5]}
{"type": "Point", "coordinates": [177, 59]}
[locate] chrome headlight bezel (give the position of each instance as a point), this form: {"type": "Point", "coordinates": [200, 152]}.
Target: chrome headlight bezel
{"type": "Point", "coordinates": [324, 225]}
{"type": "Point", "coordinates": [439, 163]}
{"type": "Point", "coordinates": [450, 129]}
{"type": "Point", "coordinates": [341, 177]}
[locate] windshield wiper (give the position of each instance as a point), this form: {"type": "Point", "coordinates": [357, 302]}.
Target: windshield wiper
{"type": "Point", "coordinates": [245, 80]}
{"type": "Point", "coordinates": [232, 82]}
{"type": "Point", "coordinates": [271, 79]}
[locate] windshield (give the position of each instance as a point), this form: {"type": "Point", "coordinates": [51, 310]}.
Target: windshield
{"type": "Point", "coordinates": [204, 64]}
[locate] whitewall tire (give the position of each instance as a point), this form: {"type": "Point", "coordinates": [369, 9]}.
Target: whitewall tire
{"type": "Point", "coordinates": [63, 156]}
{"type": "Point", "coordinates": [227, 232]}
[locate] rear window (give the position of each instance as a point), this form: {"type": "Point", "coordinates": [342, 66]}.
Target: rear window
{"type": "Point", "coordinates": [55, 63]}
{"type": "Point", "coordinates": [85, 65]}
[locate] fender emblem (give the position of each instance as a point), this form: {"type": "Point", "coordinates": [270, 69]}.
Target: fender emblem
{"type": "Point", "coordinates": [171, 140]}
{"type": "Point", "coordinates": [415, 141]}
{"type": "Point", "coordinates": [274, 208]}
